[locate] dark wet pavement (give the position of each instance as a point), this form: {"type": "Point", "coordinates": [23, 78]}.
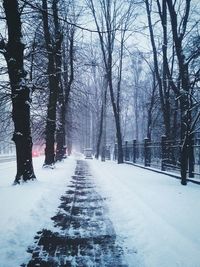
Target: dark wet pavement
{"type": "Point", "coordinates": [84, 235]}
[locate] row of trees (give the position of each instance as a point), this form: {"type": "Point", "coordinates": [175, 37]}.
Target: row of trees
{"type": "Point", "coordinates": [45, 60]}
{"type": "Point", "coordinates": [179, 75]}
{"type": "Point", "coordinates": [172, 67]}
{"type": "Point", "coordinates": [99, 71]}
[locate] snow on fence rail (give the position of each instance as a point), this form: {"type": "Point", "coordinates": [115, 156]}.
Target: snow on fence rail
{"type": "Point", "coordinates": [163, 155]}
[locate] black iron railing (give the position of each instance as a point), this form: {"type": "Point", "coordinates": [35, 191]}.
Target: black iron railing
{"type": "Point", "coordinates": [164, 155]}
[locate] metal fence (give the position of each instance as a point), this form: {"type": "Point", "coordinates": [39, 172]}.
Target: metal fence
{"type": "Point", "coordinates": [164, 155]}
{"type": "Point", "coordinates": [197, 158]}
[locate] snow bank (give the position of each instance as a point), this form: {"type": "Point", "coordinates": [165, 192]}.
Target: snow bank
{"type": "Point", "coordinates": [156, 218]}
{"type": "Point", "coordinates": [27, 208]}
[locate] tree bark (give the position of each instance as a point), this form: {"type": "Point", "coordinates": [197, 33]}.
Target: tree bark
{"type": "Point", "coordinates": [20, 93]}
{"type": "Point", "coordinates": [104, 106]}
{"type": "Point", "coordinates": [100, 134]}
{"type": "Point", "coordinates": [149, 117]}
{"type": "Point", "coordinates": [64, 96]}
{"type": "Point", "coordinates": [117, 118]}
{"type": "Point", "coordinates": [184, 92]}
{"type": "Point", "coordinates": [60, 133]}
{"type": "Point", "coordinates": [53, 94]}
{"type": "Point", "coordinates": [162, 85]}
{"type": "Point", "coordinates": [60, 136]}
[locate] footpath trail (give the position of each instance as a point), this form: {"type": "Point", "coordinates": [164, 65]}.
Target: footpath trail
{"type": "Point", "coordinates": [83, 235]}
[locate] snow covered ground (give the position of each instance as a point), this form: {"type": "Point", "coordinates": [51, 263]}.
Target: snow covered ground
{"type": "Point", "coordinates": [27, 208]}
{"type": "Point", "coordinates": [156, 219]}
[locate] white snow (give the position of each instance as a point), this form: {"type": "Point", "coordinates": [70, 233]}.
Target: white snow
{"type": "Point", "coordinates": [18, 133]}
{"type": "Point", "coordinates": [157, 220]}
{"type": "Point", "coordinates": [26, 209]}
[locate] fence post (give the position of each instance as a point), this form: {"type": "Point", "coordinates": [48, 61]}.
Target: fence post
{"type": "Point", "coordinates": [147, 153]}
{"type": "Point", "coordinates": [163, 152]}
{"type": "Point", "coordinates": [134, 151]}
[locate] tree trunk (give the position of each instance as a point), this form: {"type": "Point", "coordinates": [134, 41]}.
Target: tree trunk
{"type": "Point", "coordinates": [116, 110]}
{"type": "Point", "coordinates": [60, 136]}
{"type": "Point", "coordinates": [119, 140]}
{"type": "Point", "coordinates": [51, 119]}
{"type": "Point", "coordinates": [166, 88]}
{"type": "Point", "coordinates": [20, 93]}
{"type": "Point", "coordinates": [149, 116]}
{"type": "Point", "coordinates": [162, 85]}
{"type": "Point", "coordinates": [184, 161]}
{"type": "Point", "coordinates": [104, 105]}
{"type": "Point", "coordinates": [178, 32]}
{"type": "Point", "coordinates": [68, 128]}
{"type": "Point", "coordinates": [117, 125]}
{"type": "Point", "coordinates": [185, 136]}
{"type": "Point", "coordinates": [53, 95]}
{"type": "Point", "coordinates": [64, 96]}
{"type": "Point", "coordinates": [100, 134]}
{"type": "Point", "coordinates": [191, 163]}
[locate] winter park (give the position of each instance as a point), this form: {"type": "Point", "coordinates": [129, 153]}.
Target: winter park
{"type": "Point", "coordinates": [99, 133]}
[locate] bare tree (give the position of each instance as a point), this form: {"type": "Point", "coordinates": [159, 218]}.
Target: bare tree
{"type": "Point", "coordinates": [53, 54]}
{"type": "Point", "coordinates": [162, 81]}
{"type": "Point", "coordinates": [68, 54]}
{"type": "Point", "coordinates": [107, 23]}
{"type": "Point", "coordinates": [177, 76]}
{"type": "Point", "coordinates": [20, 92]}
{"type": "Point", "coordinates": [184, 91]}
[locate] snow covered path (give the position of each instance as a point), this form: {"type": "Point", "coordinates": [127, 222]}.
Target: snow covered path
{"type": "Point", "coordinates": [83, 235]}
{"type": "Point", "coordinates": [157, 218]}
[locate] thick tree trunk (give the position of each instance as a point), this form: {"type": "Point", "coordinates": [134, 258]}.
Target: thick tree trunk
{"type": "Point", "coordinates": [118, 134]}
{"type": "Point", "coordinates": [53, 95]}
{"type": "Point", "coordinates": [64, 94]}
{"type": "Point", "coordinates": [185, 136]}
{"type": "Point", "coordinates": [60, 136]}
{"type": "Point", "coordinates": [117, 119]}
{"type": "Point", "coordinates": [185, 124]}
{"type": "Point", "coordinates": [61, 145]}
{"type": "Point", "coordinates": [119, 140]}
{"type": "Point", "coordinates": [178, 32]}
{"type": "Point", "coordinates": [50, 132]}
{"type": "Point", "coordinates": [20, 93]}
{"type": "Point", "coordinates": [115, 106]}
{"type": "Point", "coordinates": [191, 163]}
{"type": "Point", "coordinates": [51, 119]}
{"type": "Point", "coordinates": [184, 161]}
{"type": "Point", "coordinates": [68, 129]}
